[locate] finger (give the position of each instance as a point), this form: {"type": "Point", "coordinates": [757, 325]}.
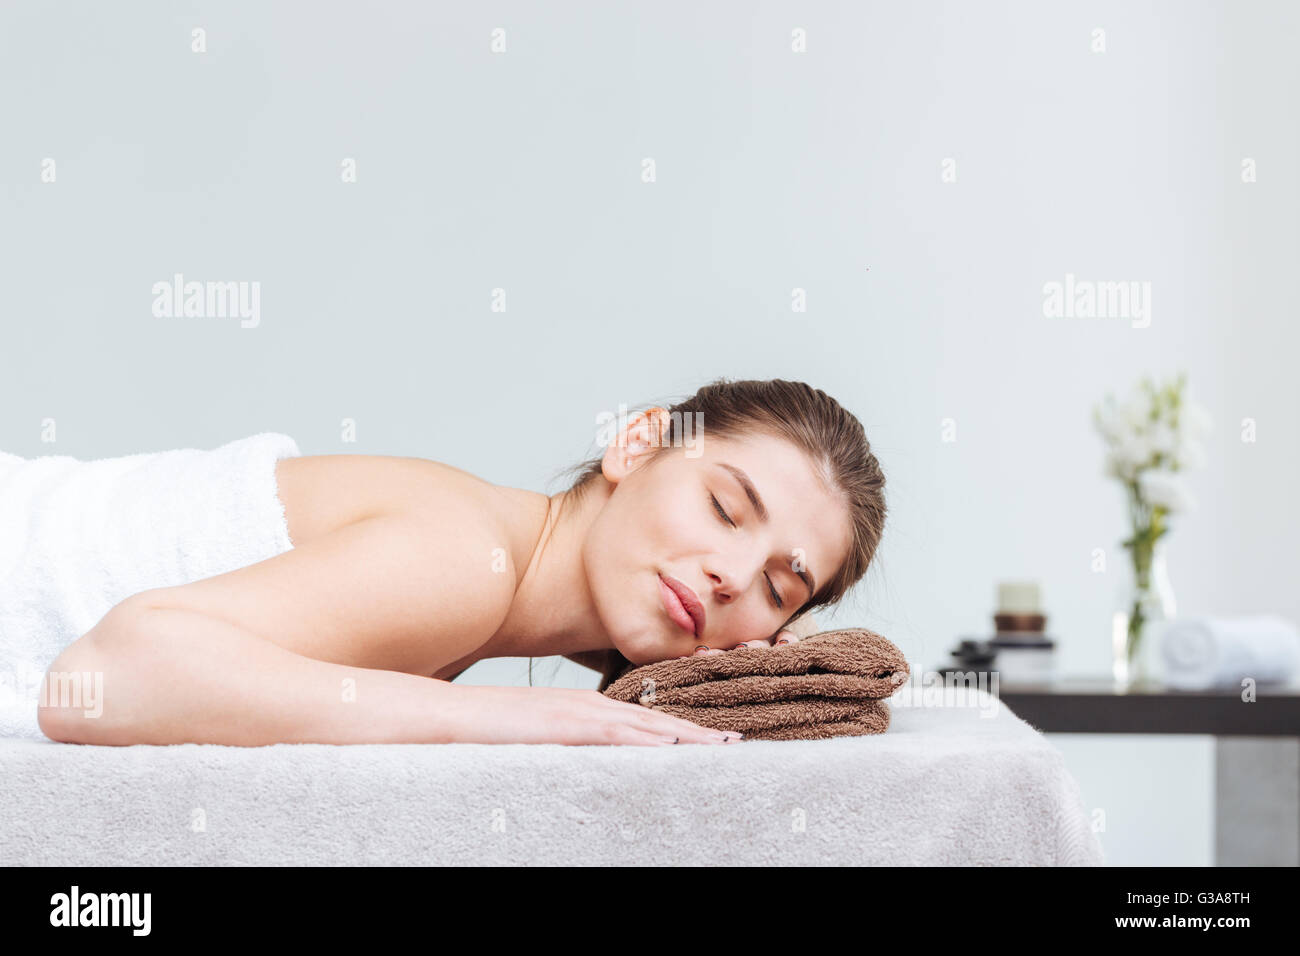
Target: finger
{"type": "Point", "coordinates": [787, 637]}
{"type": "Point", "coordinates": [617, 734]}
{"type": "Point", "coordinates": [627, 735]}
{"type": "Point", "coordinates": [697, 733]}
{"type": "Point", "coordinates": [670, 725]}
{"type": "Point", "coordinates": [760, 642]}
{"type": "Point", "coordinates": [691, 734]}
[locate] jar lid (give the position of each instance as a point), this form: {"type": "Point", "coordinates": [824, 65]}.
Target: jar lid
{"type": "Point", "coordinates": [1019, 597]}
{"type": "Point", "coordinates": [1030, 640]}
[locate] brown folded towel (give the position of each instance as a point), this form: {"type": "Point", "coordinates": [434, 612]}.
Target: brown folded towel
{"type": "Point", "coordinates": [830, 684]}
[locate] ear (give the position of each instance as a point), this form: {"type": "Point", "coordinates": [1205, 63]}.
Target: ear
{"type": "Point", "coordinates": [635, 444]}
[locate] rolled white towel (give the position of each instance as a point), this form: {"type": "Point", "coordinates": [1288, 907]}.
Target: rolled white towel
{"type": "Point", "coordinates": [77, 537]}
{"type": "Point", "coordinates": [1219, 652]}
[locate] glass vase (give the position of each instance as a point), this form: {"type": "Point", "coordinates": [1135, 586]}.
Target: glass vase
{"type": "Point", "coordinates": [1146, 605]}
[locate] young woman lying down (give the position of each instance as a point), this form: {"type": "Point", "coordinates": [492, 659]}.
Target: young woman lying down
{"type": "Point", "coordinates": [403, 572]}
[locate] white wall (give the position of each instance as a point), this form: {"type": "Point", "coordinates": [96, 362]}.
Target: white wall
{"type": "Point", "coordinates": [775, 170]}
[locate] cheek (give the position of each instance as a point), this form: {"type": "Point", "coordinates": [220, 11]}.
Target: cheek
{"type": "Point", "coordinates": [679, 525]}
{"type": "Point", "coordinates": [755, 624]}
{"type": "Point", "coordinates": [676, 537]}
{"type": "Point", "coordinates": [647, 533]}
{"type": "Point", "coordinates": [612, 537]}
{"type": "Point", "coordinates": [621, 554]}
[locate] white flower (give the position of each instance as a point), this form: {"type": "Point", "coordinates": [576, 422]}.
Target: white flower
{"type": "Point", "coordinates": [1163, 439]}
{"type": "Point", "coordinates": [1160, 486]}
{"type": "Point", "coordinates": [1136, 412]}
{"type": "Point", "coordinates": [1134, 439]}
{"type": "Point", "coordinates": [1132, 452]}
{"type": "Point", "coordinates": [1107, 418]}
{"type": "Point", "coordinates": [1195, 421]}
{"type": "Point", "coordinates": [1189, 454]}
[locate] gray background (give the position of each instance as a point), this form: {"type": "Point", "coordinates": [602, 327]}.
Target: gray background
{"type": "Point", "coordinates": [775, 170]}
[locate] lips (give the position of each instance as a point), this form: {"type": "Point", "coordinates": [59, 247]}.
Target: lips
{"type": "Point", "coordinates": [682, 605]}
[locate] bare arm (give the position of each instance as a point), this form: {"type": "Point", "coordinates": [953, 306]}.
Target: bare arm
{"type": "Point", "coordinates": [172, 675]}
{"type": "Point", "coordinates": [298, 649]}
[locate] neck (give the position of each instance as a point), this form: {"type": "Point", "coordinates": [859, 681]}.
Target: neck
{"type": "Point", "coordinates": [553, 611]}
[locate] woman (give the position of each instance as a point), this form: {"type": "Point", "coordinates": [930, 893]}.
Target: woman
{"type": "Point", "coordinates": [403, 569]}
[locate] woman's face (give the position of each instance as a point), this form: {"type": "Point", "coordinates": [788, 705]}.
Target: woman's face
{"type": "Point", "coordinates": [691, 521]}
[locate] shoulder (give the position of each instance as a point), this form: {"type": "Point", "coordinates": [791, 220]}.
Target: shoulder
{"type": "Point", "coordinates": [462, 520]}
{"type": "Point", "coordinates": [322, 493]}
{"type": "Point", "coordinates": [470, 527]}
{"type": "Point", "coordinates": [401, 564]}
{"type": "Point", "coordinates": [476, 534]}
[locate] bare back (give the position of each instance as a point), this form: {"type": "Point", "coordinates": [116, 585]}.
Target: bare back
{"type": "Point", "coordinates": [448, 518]}
{"type": "Point", "coordinates": [323, 493]}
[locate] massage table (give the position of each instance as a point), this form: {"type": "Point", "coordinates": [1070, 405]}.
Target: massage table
{"type": "Point", "coordinates": [957, 779]}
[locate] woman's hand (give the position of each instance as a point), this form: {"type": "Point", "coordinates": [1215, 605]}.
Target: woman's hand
{"type": "Point", "coordinates": [557, 715]}
{"type": "Point", "coordinates": [783, 637]}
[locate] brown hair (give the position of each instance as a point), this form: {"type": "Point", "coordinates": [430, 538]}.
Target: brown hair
{"type": "Point", "coordinates": [813, 422]}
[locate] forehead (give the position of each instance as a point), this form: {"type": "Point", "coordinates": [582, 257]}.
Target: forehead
{"type": "Point", "coordinates": [766, 456]}
{"type": "Point", "coordinates": [802, 509]}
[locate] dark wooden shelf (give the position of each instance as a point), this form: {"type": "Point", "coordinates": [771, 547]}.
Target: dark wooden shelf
{"type": "Point", "coordinates": [1099, 706]}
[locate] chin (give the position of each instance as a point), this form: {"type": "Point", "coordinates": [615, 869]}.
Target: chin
{"type": "Point", "coordinates": [642, 651]}
{"type": "Point", "coordinates": [646, 646]}
{"type": "Point", "coordinates": [656, 638]}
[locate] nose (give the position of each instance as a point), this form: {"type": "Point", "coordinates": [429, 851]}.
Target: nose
{"type": "Point", "coordinates": [721, 590]}
{"type": "Point", "coordinates": [727, 586]}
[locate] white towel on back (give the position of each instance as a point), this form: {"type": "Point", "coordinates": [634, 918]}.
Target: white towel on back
{"type": "Point", "coordinates": [77, 537]}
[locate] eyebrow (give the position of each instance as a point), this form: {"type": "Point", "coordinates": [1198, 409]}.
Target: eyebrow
{"type": "Point", "coordinates": [757, 501]}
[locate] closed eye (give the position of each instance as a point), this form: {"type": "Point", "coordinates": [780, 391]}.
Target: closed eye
{"type": "Point", "coordinates": [718, 508]}
{"type": "Point", "coordinates": [725, 517]}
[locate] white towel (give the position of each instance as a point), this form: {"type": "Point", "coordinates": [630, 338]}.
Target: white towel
{"type": "Point", "coordinates": [1220, 652]}
{"type": "Point", "coordinates": [77, 537]}
{"type": "Point", "coordinates": [957, 780]}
